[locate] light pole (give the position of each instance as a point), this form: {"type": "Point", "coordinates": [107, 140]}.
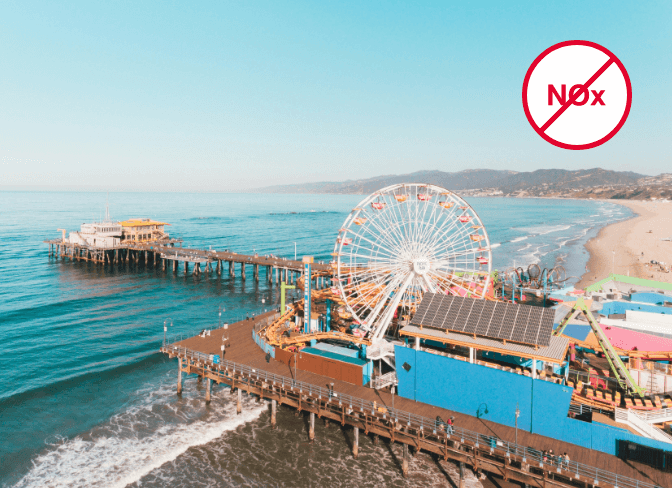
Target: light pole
{"type": "Point", "coordinates": [165, 329]}
{"type": "Point", "coordinates": [517, 415]}
{"type": "Point", "coordinates": [392, 398]}
{"type": "Point", "coordinates": [295, 251]}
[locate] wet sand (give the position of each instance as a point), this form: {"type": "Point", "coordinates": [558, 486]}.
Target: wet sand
{"type": "Point", "coordinates": [628, 247]}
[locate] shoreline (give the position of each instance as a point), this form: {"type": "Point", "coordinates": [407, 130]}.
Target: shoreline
{"type": "Point", "coordinates": [628, 247]}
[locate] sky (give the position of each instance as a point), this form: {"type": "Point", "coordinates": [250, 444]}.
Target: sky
{"type": "Point", "coordinates": [226, 96]}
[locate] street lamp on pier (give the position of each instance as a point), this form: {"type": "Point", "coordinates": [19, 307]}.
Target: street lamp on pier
{"type": "Point", "coordinates": [165, 329]}
{"type": "Point", "coordinates": [517, 415]}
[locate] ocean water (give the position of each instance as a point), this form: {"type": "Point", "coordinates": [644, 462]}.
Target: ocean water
{"type": "Point", "coordinates": [86, 400]}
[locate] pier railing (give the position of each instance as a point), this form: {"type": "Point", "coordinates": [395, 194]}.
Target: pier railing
{"type": "Point", "coordinates": [429, 428]}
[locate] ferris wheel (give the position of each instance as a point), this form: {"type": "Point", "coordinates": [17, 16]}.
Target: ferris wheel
{"type": "Point", "coordinates": [403, 241]}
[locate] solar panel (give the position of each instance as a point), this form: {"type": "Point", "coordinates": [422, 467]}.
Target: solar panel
{"type": "Point", "coordinates": [519, 323]}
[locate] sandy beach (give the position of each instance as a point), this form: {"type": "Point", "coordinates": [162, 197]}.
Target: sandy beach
{"type": "Point", "coordinates": [628, 247]}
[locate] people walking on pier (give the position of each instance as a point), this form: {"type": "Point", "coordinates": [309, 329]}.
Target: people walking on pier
{"type": "Point", "coordinates": [566, 456]}
{"type": "Point", "coordinates": [449, 428]}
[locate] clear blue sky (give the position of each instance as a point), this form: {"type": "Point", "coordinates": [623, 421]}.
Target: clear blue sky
{"type": "Point", "coordinates": [222, 95]}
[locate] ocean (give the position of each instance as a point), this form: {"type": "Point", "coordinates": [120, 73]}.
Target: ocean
{"type": "Point", "coordinates": [85, 398]}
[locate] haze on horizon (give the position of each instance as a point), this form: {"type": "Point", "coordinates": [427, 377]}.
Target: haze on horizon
{"type": "Point", "coordinates": [219, 97]}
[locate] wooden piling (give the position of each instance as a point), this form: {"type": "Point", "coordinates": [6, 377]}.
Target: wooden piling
{"type": "Point", "coordinates": [311, 430]}
{"type": "Point", "coordinates": [462, 482]}
{"type": "Point", "coordinates": [208, 383]}
{"type": "Point", "coordinates": [355, 444]}
{"type": "Point", "coordinates": [232, 271]}
{"type": "Point", "coordinates": [242, 270]}
{"type": "Point", "coordinates": [274, 404]}
{"type": "Point", "coordinates": [179, 376]}
{"type": "Point", "coordinates": [239, 404]}
{"type": "Point", "coordinates": [256, 272]}
{"type": "Point", "coordinates": [404, 462]}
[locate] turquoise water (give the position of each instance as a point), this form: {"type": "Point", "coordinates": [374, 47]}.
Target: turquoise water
{"type": "Point", "coordinates": [85, 400]}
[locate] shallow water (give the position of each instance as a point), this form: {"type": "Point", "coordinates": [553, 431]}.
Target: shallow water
{"type": "Point", "coordinates": [85, 399]}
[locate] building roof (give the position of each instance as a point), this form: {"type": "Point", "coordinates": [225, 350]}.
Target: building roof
{"type": "Point", "coordinates": [630, 280]}
{"type": "Point", "coordinates": [555, 352]}
{"type": "Point", "coordinates": [141, 223]}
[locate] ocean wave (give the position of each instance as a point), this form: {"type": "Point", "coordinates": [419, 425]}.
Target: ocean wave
{"type": "Point", "coordinates": [518, 239]}
{"type": "Point", "coordinates": [134, 443]}
{"type": "Point", "coordinates": [545, 229]}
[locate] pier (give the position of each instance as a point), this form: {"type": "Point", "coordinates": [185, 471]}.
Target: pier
{"type": "Point", "coordinates": [168, 256]}
{"type": "Point", "coordinates": [483, 446]}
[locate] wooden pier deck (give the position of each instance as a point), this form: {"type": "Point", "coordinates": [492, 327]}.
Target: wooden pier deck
{"type": "Point", "coordinates": [166, 254]}
{"type": "Point", "coordinates": [244, 351]}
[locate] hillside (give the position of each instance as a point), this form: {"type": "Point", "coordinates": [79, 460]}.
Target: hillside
{"type": "Point", "coordinates": [557, 183]}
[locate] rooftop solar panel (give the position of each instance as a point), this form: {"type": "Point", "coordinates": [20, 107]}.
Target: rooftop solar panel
{"type": "Point", "coordinates": [505, 321]}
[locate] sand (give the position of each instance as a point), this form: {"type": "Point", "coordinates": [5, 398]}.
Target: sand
{"type": "Point", "coordinates": [628, 247]}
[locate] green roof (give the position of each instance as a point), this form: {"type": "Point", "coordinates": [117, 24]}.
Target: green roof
{"type": "Point", "coordinates": [631, 280]}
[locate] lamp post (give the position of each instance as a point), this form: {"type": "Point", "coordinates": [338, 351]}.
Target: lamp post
{"type": "Point", "coordinates": [392, 398]}
{"type": "Point", "coordinates": [295, 251]}
{"type": "Point", "coordinates": [165, 329]}
{"type": "Point", "coordinates": [517, 415]}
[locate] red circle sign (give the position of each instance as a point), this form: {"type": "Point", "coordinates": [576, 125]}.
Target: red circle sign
{"type": "Point", "coordinates": [577, 95]}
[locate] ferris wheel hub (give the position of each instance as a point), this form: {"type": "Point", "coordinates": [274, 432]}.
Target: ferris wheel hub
{"type": "Point", "coordinates": [421, 266]}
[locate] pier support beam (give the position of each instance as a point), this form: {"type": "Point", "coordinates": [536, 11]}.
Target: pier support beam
{"type": "Point", "coordinates": [311, 429]}
{"type": "Point", "coordinates": [375, 439]}
{"type": "Point", "coordinates": [242, 270]}
{"type": "Point", "coordinates": [276, 275]}
{"type": "Point", "coordinates": [404, 462]}
{"type": "Point", "coordinates": [355, 443]}
{"type": "Point", "coordinates": [179, 376]}
{"type": "Point", "coordinates": [232, 271]}
{"type": "Point", "coordinates": [208, 385]}
{"type": "Point", "coordinates": [256, 272]}
{"type": "Point", "coordinates": [274, 406]}
{"type": "Point", "coordinates": [175, 266]}
{"type": "Point", "coordinates": [219, 267]}
{"type": "Point", "coordinates": [461, 475]}
{"type": "Point", "coordinates": [239, 403]}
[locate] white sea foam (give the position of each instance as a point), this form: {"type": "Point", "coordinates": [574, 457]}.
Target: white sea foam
{"type": "Point", "coordinates": [115, 460]}
{"type": "Point", "coordinates": [518, 239]}
{"type": "Point", "coordinates": [492, 246]}
{"type": "Point", "coordinates": [545, 229]}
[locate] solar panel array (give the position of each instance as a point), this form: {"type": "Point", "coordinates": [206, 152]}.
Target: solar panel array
{"type": "Point", "coordinates": [506, 321]}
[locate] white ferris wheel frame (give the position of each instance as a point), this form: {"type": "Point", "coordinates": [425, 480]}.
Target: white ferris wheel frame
{"type": "Point", "coordinates": [404, 246]}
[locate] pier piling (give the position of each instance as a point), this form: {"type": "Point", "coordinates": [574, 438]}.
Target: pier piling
{"type": "Point", "coordinates": [355, 443]}
{"type": "Point", "coordinates": [404, 462]}
{"type": "Point", "coordinates": [179, 376]}
{"type": "Point", "coordinates": [242, 270]}
{"type": "Point", "coordinates": [274, 404]}
{"type": "Point", "coordinates": [208, 386]}
{"type": "Point", "coordinates": [239, 403]}
{"type": "Point", "coordinates": [311, 429]}
{"type": "Point", "coordinates": [462, 483]}
{"type": "Point", "coordinates": [232, 271]}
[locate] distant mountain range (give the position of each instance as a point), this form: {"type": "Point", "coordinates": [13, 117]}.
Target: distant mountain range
{"type": "Point", "coordinates": [589, 183]}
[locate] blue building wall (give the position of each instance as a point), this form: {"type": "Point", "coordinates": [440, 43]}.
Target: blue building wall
{"type": "Point", "coordinates": [654, 298]}
{"type": "Point", "coordinates": [620, 307]}
{"type": "Point", "coordinates": [492, 394]}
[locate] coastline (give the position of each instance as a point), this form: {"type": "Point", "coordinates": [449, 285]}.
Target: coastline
{"type": "Point", "coordinates": [628, 247]}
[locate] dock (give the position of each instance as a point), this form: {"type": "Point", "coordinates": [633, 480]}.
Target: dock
{"type": "Point", "coordinates": [483, 446]}
{"type": "Point", "coordinates": [168, 256]}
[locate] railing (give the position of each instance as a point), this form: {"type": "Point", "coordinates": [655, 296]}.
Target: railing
{"type": "Point", "coordinates": [600, 381]}
{"type": "Point", "coordinates": [656, 416]}
{"type": "Point", "coordinates": [581, 409]}
{"type": "Point", "coordinates": [385, 380]}
{"type": "Point", "coordinates": [633, 419]}
{"type": "Point", "coordinates": [428, 427]}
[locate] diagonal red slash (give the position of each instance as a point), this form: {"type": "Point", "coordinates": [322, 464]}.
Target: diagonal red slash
{"type": "Point", "coordinates": [576, 95]}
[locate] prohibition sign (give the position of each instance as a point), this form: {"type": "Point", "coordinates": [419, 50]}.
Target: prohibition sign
{"type": "Point", "coordinates": [577, 95]}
